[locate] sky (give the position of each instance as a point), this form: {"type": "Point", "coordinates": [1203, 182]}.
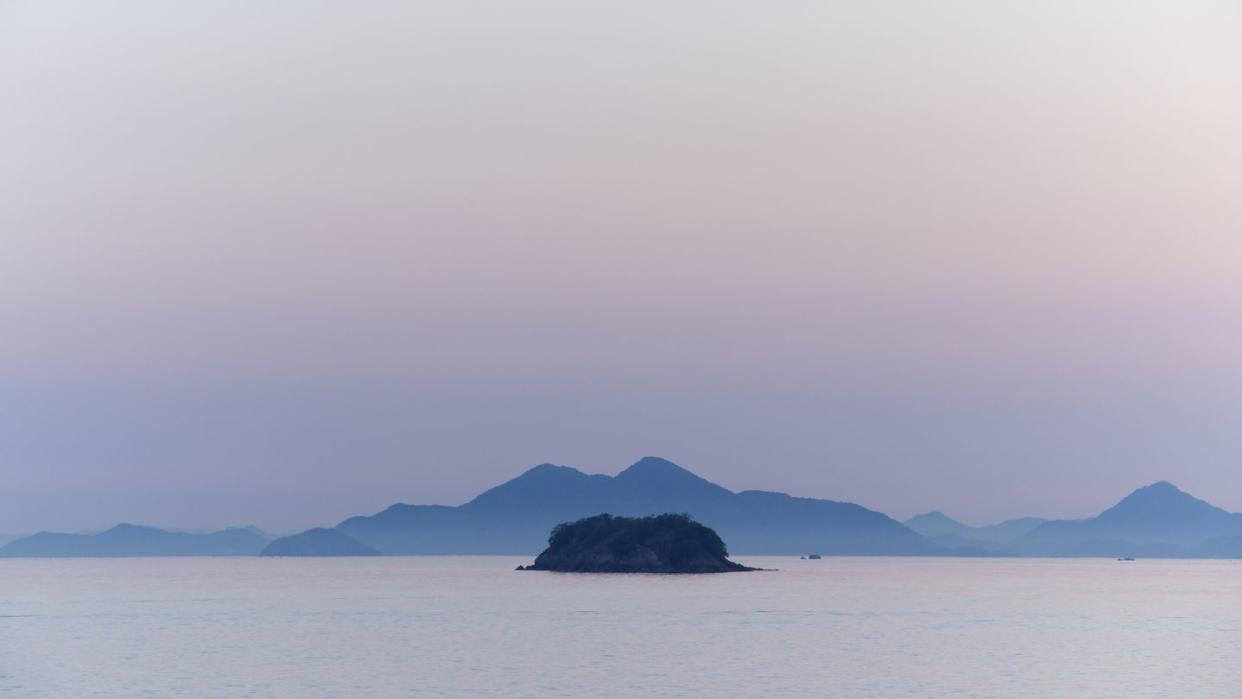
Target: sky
{"type": "Point", "coordinates": [283, 262]}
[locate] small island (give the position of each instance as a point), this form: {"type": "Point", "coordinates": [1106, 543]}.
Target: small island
{"type": "Point", "coordinates": [668, 543]}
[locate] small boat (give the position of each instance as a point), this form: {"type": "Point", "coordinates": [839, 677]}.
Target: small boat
{"type": "Point", "coordinates": [814, 557]}
{"type": "Point", "coordinates": [1126, 558]}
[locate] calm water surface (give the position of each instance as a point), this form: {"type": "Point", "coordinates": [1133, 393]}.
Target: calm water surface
{"type": "Point", "coordinates": [472, 626]}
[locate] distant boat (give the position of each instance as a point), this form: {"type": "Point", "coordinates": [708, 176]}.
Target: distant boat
{"type": "Point", "coordinates": [814, 557]}
{"type": "Point", "coordinates": [1126, 558]}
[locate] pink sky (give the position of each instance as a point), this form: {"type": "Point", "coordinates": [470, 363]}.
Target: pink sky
{"type": "Point", "coordinates": [977, 256]}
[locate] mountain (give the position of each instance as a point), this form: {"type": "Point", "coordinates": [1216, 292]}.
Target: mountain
{"type": "Point", "coordinates": [515, 517]}
{"type": "Point", "coordinates": [965, 539]}
{"type": "Point", "coordinates": [937, 524]}
{"type": "Point", "coordinates": [318, 542]}
{"type": "Point", "coordinates": [1007, 530]}
{"type": "Point", "coordinates": [1156, 520]}
{"type": "Point", "coordinates": [134, 540]}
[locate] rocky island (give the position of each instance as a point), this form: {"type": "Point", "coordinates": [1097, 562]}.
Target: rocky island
{"type": "Point", "coordinates": [668, 543]}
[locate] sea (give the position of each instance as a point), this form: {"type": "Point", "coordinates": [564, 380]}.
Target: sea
{"type": "Point", "coordinates": [472, 626]}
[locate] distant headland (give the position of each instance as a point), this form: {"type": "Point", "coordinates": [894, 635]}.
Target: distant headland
{"type": "Point", "coordinates": [125, 540]}
{"type": "Point", "coordinates": [318, 542]}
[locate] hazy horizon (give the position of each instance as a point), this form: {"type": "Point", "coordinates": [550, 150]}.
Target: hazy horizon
{"type": "Point", "coordinates": [283, 263]}
{"type": "Point", "coordinates": [207, 509]}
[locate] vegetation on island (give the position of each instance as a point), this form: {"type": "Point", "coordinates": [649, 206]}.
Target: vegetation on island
{"type": "Point", "coordinates": [667, 543]}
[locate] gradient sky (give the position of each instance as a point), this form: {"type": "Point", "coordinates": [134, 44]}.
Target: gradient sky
{"type": "Point", "coordinates": [283, 262]}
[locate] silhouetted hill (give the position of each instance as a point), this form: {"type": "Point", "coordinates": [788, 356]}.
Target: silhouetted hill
{"type": "Point", "coordinates": [667, 543]}
{"type": "Point", "coordinates": [990, 540]}
{"type": "Point", "coordinates": [936, 524]}
{"type": "Point", "coordinates": [133, 540]}
{"type": "Point", "coordinates": [318, 542]}
{"type": "Point", "coordinates": [1006, 531]}
{"type": "Point", "coordinates": [514, 517]}
{"type": "Point", "coordinates": [1156, 520]}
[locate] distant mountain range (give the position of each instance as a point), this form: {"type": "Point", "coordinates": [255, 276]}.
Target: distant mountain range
{"type": "Point", "coordinates": [952, 534]}
{"type": "Point", "coordinates": [1156, 521]}
{"type": "Point", "coordinates": [133, 540]}
{"type": "Point", "coordinates": [516, 517]}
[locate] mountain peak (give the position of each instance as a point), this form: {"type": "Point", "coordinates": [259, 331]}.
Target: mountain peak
{"type": "Point", "coordinates": [651, 474]}
{"type": "Point", "coordinates": [545, 472]}
{"type": "Point", "coordinates": [127, 528]}
{"type": "Point", "coordinates": [933, 516]}
{"type": "Point", "coordinates": [535, 482]}
{"type": "Point", "coordinates": [1160, 490]}
{"type": "Point", "coordinates": [1161, 498]}
{"type": "Point", "coordinates": [651, 466]}
{"type": "Point", "coordinates": [548, 469]}
{"type": "Point", "coordinates": [935, 523]}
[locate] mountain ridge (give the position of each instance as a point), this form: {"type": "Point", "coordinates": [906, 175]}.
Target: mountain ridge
{"type": "Point", "coordinates": [129, 540]}
{"type": "Point", "coordinates": [989, 539]}
{"type": "Point", "coordinates": [515, 516]}
{"type": "Point", "coordinates": [1156, 519]}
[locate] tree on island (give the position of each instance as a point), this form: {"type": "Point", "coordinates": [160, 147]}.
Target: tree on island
{"type": "Point", "coordinates": [667, 543]}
